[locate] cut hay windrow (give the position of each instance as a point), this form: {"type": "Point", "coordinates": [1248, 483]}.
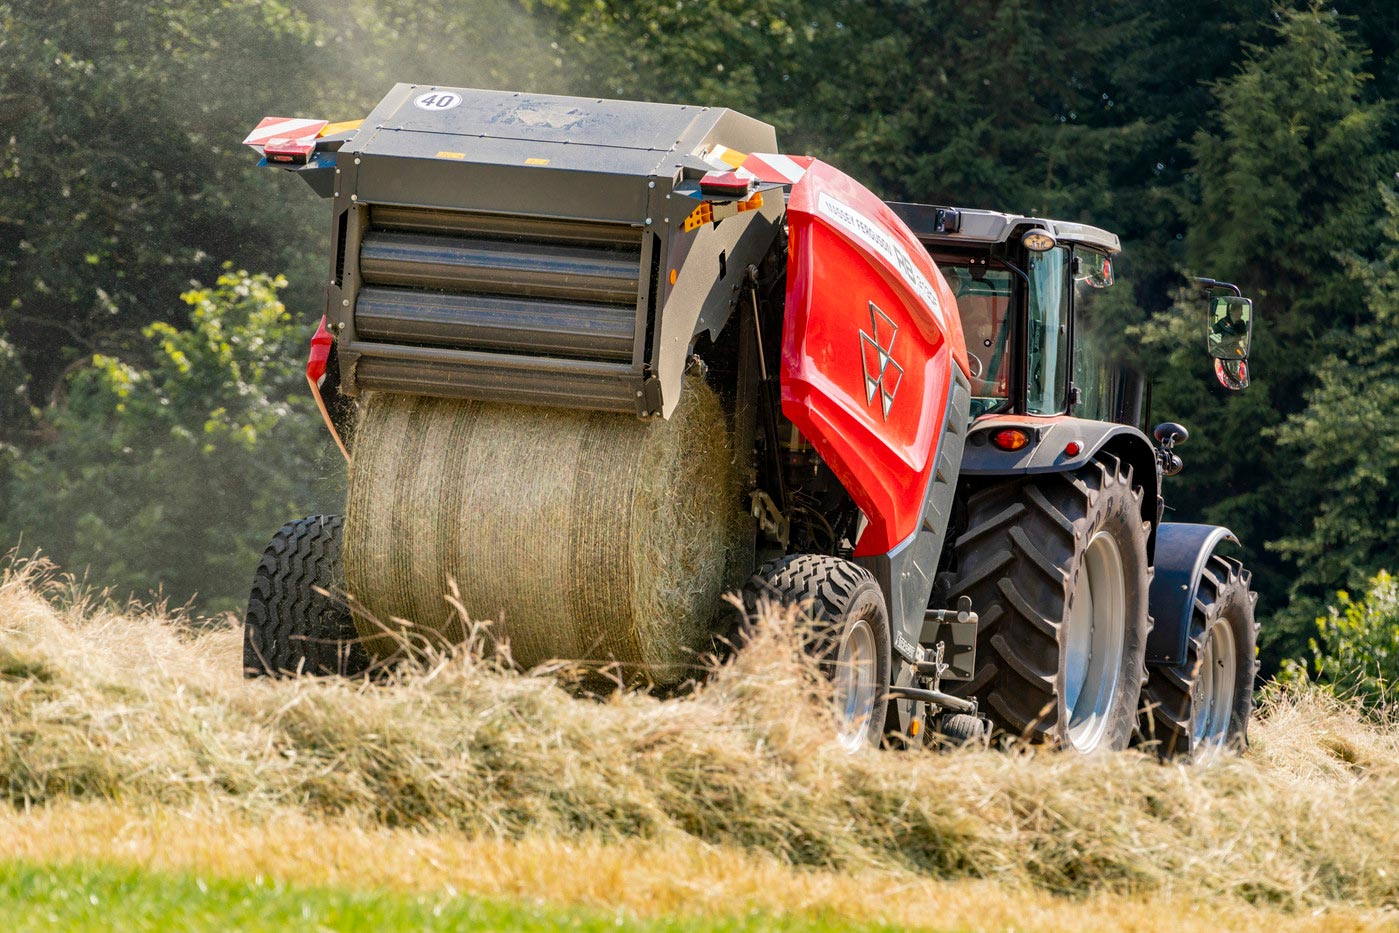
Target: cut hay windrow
{"type": "Point", "coordinates": [581, 535]}
{"type": "Point", "coordinates": [100, 703]}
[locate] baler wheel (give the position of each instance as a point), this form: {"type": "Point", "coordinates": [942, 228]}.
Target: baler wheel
{"type": "Point", "coordinates": [1056, 567]}
{"type": "Point", "coordinates": [290, 629]}
{"type": "Point", "coordinates": [1201, 707]}
{"type": "Point", "coordinates": [852, 642]}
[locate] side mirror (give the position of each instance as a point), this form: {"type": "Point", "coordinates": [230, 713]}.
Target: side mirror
{"type": "Point", "coordinates": [1230, 330]}
{"type": "Point", "coordinates": [1230, 327]}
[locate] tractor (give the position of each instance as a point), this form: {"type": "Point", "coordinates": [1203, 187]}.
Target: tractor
{"type": "Point", "coordinates": [932, 434]}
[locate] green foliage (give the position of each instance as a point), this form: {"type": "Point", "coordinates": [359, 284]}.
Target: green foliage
{"type": "Point", "coordinates": [1357, 648]}
{"type": "Point", "coordinates": [1288, 188]}
{"type": "Point", "coordinates": [1340, 448]}
{"type": "Point", "coordinates": [122, 176]}
{"type": "Point", "coordinates": [173, 475]}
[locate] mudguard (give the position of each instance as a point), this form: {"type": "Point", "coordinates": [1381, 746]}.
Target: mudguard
{"type": "Point", "coordinates": [1182, 550]}
{"type": "Point", "coordinates": [1048, 451]}
{"type": "Point", "coordinates": [875, 376]}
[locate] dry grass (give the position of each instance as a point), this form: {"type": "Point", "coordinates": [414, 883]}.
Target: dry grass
{"type": "Point", "coordinates": [128, 709]}
{"type": "Point", "coordinates": [676, 879]}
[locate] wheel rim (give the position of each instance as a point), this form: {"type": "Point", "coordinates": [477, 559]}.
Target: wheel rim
{"type": "Point", "coordinates": [1097, 632]}
{"type": "Point", "coordinates": [855, 689]}
{"type": "Point", "coordinates": [1212, 694]}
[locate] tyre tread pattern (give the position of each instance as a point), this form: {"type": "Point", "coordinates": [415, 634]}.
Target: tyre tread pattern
{"type": "Point", "coordinates": [1017, 560]}
{"type": "Point", "coordinates": [290, 628]}
{"type": "Point", "coordinates": [1223, 597]}
{"type": "Point", "coordinates": [829, 588]}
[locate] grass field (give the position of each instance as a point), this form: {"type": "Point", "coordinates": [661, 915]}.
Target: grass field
{"type": "Point", "coordinates": [140, 769]}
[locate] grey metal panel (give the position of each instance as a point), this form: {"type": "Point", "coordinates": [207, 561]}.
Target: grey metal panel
{"type": "Point", "coordinates": [497, 377]}
{"type": "Point", "coordinates": [504, 227]}
{"type": "Point", "coordinates": [570, 189]}
{"type": "Point", "coordinates": [420, 260]}
{"type": "Point", "coordinates": [486, 322]}
{"type": "Point", "coordinates": [703, 298]}
{"type": "Point", "coordinates": [906, 573]}
{"type": "Point", "coordinates": [613, 124]}
{"type": "Point", "coordinates": [1182, 550]}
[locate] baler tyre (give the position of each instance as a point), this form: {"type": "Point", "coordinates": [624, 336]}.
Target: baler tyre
{"type": "Point", "coordinates": [1200, 708]}
{"type": "Point", "coordinates": [1056, 567]}
{"type": "Point", "coordinates": [853, 639]}
{"type": "Point", "coordinates": [291, 629]}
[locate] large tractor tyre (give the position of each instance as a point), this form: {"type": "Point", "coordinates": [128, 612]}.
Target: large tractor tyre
{"type": "Point", "coordinates": [1056, 566]}
{"type": "Point", "coordinates": [852, 637]}
{"type": "Point", "coordinates": [290, 628]}
{"type": "Point", "coordinates": [1201, 707]}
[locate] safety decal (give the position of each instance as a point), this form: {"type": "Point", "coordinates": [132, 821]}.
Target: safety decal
{"type": "Point", "coordinates": [778, 169]}
{"type": "Point", "coordinates": [768, 167]}
{"type": "Point", "coordinates": [284, 129]}
{"type": "Point", "coordinates": [882, 374]}
{"type": "Point", "coordinates": [433, 101]}
{"type": "Point", "coordinates": [878, 239]}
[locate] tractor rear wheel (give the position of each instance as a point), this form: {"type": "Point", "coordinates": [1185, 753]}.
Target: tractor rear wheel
{"type": "Point", "coordinates": [1201, 707]}
{"type": "Point", "coordinates": [290, 628]}
{"type": "Point", "coordinates": [852, 637]}
{"type": "Point", "coordinates": [1056, 567]}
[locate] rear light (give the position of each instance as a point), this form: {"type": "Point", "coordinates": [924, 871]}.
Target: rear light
{"type": "Point", "coordinates": [726, 184]}
{"type": "Point", "coordinates": [1073, 449]}
{"type": "Point", "coordinates": [320, 354]}
{"type": "Point", "coordinates": [289, 151]}
{"type": "Point", "coordinates": [1011, 439]}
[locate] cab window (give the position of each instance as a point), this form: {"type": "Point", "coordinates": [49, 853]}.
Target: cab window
{"type": "Point", "coordinates": [984, 305]}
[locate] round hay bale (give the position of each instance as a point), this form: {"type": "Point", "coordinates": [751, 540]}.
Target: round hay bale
{"type": "Point", "coordinates": [580, 535]}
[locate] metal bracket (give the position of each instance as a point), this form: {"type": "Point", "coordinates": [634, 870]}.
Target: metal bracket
{"type": "Point", "coordinates": [770, 517]}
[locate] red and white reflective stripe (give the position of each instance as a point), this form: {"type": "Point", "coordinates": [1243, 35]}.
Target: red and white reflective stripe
{"type": "Point", "coordinates": [283, 127]}
{"type": "Point", "coordinates": [777, 169]}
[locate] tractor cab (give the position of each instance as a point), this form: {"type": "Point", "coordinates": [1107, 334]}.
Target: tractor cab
{"type": "Point", "coordinates": [1041, 338]}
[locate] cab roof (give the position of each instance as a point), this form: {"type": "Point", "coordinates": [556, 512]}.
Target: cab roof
{"type": "Point", "coordinates": [959, 226]}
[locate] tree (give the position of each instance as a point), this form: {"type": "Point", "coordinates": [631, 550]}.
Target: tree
{"type": "Point", "coordinates": [173, 475]}
{"type": "Point", "coordinates": [1287, 188]}
{"type": "Point", "coordinates": [122, 177]}
{"type": "Point", "coordinates": [1341, 448]}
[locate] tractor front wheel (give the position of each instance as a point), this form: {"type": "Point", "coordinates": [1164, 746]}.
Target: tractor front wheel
{"type": "Point", "coordinates": [1201, 707]}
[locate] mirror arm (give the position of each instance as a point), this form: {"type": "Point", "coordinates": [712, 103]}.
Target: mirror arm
{"type": "Point", "coordinates": [1215, 283]}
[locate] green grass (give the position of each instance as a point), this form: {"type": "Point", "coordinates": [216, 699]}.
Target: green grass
{"type": "Point", "coordinates": [100, 897]}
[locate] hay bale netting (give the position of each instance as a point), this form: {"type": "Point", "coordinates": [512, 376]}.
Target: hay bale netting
{"type": "Point", "coordinates": [581, 535]}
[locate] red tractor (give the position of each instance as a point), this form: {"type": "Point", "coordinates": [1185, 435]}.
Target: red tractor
{"type": "Point", "coordinates": [937, 437]}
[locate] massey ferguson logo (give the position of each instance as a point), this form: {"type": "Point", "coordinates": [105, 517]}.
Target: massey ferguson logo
{"type": "Point", "coordinates": [882, 374]}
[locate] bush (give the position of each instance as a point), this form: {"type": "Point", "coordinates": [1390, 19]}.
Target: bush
{"type": "Point", "coordinates": [1357, 651]}
{"type": "Point", "coordinates": [171, 477]}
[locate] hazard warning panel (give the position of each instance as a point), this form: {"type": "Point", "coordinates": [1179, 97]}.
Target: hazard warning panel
{"type": "Point", "coordinates": [283, 131]}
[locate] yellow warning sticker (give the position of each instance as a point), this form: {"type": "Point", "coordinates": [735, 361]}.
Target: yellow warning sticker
{"type": "Point", "coordinates": [536, 161]}
{"type": "Point", "coordinates": [451, 155]}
